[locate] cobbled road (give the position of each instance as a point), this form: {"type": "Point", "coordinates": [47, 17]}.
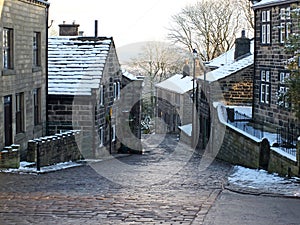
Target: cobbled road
{"type": "Point", "coordinates": [165, 185]}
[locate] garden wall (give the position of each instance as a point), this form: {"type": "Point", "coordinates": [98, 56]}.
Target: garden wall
{"type": "Point", "coordinates": [55, 149]}
{"type": "Point", "coordinates": [240, 148]}
{"type": "Point", "coordinates": [10, 157]}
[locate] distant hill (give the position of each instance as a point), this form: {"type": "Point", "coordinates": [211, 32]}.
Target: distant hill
{"type": "Point", "coordinates": [127, 52]}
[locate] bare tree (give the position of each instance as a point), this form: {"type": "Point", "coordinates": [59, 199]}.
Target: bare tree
{"type": "Point", "coordinates": [248, 15]}
{"type": "Point", "coordinates": [210, 26]}
{"type": "Point", "coordinates": [157, 61]}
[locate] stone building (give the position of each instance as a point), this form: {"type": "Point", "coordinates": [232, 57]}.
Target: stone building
{"type": "Point", "coordinates": [230, 80]}
{"type": "Point", "coordinates": [174, 103]}
{"type": "Point", "coordinates": [23, 78]}
{"type": "Point", "coordinates": [129, 113]}
{"type": "Point", "coordinates": [84, 91]}
{"type": "Point", "coordinates": [272, 28]}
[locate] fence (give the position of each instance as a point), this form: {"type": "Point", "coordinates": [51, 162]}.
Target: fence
{"type": "Point", "coordinates": [283, 138]}
{"type": "Point", "coordinates": [287, 138]}
{"type": "Point", "coordinates": [245, 123]}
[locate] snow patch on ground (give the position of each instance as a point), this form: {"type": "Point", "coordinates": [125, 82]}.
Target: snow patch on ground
{"type": "Point", "coordinates": [264, 182]}
{"type": "Point", "coordinates": [27, 167]}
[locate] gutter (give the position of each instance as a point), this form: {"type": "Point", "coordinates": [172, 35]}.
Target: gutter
{"type": "Point", "coordinates": [273, 3]}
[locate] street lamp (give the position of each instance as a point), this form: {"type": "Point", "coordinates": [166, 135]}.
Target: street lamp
{"type": "Point", "coordinates": [186, 72]}
{"type": "Point", "coordinates": [195, 56]}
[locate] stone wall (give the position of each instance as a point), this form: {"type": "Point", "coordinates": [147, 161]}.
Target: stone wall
{"type": "Point", "coordinates": [239, 148]}
{"type": "Point", "coordinates": [55, 149]}
{"type": "Point", "coordinates": [282, 165]}
{"type": "Point", "coordinates": [10, 157]}
{"type": "Point", "coordinates": [237, 89]}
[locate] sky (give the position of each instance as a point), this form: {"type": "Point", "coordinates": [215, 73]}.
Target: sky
{"type": "Point", "coordinates": [127, 21]}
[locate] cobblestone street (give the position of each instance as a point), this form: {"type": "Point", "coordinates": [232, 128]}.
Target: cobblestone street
{"type": "Point", "coordinates": [145, 189]}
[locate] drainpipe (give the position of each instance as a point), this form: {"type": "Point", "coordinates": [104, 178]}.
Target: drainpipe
{"type": "Point", "coordinates": [254, 67]}
{"type": "Point", "coordinates": [46, 64]}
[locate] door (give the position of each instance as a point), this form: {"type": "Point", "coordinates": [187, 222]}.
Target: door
{"type": "Point", "coordinates": [8, 120]}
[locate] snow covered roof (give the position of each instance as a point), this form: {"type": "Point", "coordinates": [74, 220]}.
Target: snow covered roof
{"type": "Point", "coordinates": [228, 69]}
{"type": "Point", "coordinates": [227, 65]}
{"type": "Point", "coordinates": [75, 65]}
{"type": "Point", "coordinates": [177, 84]}
{"type": "Point", "coordinates": [130, 76]}
{"type": "Point", "coordinates": [266, 3]}
{"type": "Point", "coordinates": [227, 57]}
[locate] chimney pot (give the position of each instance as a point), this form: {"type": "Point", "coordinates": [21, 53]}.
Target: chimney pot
{"type": "Point", "coordinates": [96, 28]}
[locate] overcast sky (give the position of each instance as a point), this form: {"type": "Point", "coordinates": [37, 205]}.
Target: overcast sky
{"type": "Point", "coordinates": [127, 21]}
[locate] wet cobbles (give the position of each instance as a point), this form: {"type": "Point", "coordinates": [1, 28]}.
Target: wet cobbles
{"type": "Point", "coordinates": [163, 190]}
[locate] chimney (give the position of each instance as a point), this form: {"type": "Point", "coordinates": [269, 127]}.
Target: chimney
{"type": "Point", "coordinates": [68, 29]}
{"type": "Point", "coordinates": [242, 46]}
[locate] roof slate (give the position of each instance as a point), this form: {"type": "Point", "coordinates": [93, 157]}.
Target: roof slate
{"type": "Point", "coordinates": [75, 66]}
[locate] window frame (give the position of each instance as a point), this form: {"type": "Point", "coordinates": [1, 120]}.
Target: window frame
{"type": "Point", "coordinates": [102, 93]}
{"type": "Point", "coordinates": [8, 48]}
{"type": "Point", "coordinates": [113, 133]}
{"type": "Point", "coordinates": [36, 49]}
{"type": "Point", "coordinates": [285, 24]}
{"type": "Point", "coordinates": [177, 99]}
{"type": "Point", "coordinates": [37, 106]}
{"type": "Point", "coordinates": [283, 89]}
{"type": "Point", "coordinates": [101, 136]}
{"type": "Point", "coordinates": [20, 112]}
{"type": "Point", "coordinates": [265, 87]}
{"type": "Point", "coordinates": [266, 27]}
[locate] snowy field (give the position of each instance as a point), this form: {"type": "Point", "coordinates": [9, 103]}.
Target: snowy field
{"type": "Point", "coordinates": [264, 182]}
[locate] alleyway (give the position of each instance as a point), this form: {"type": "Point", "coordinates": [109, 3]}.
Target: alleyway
{"type": "Point", "coordinates": [166, 185]}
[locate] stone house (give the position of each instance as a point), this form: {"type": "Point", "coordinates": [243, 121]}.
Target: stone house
{"type": "Point", "coordinates": [228, 79]}
{"type": "Point", "coordinates": [84, 91]}
{"type": "Point", "coordinates": [272, 28]}
{"type": "Point", "coordinates": [130, 113]}
{"type": "Point", "coordinates": [174, 103]}
{"type": "Point", "coordinates": [23, 78]}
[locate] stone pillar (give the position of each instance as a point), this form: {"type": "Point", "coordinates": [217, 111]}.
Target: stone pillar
{"type": "Point", "coordinates": [10, 157]}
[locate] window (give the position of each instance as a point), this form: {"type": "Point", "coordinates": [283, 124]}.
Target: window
{"type": "Point", "coordinates": [265, 87]}
{"type": "Point", "coordinates": [282, 100]}
{"type": "Point", "coordinates": [101, 101]}
{"type": "Point", "coordinates": [117, 90]}
{"type": "Point", "coordinates": [101, 136]}
{"type": "Point", "coordinates": [8, 48]}
{"type": "Point", "coordinates": [285, 24]}
{"type": "Point", "coordinates": [36, 49]}
{"type": "Point", "coordinates": [19, 112]}
{"type": "Point", "coordinates": [177, 99]}
{"type": "Point", "coordinates": [266, 27]}
{"type": "Point", "coordinates": [37, 106]}
{"type": "Point", "coordinates": [113, 133]}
